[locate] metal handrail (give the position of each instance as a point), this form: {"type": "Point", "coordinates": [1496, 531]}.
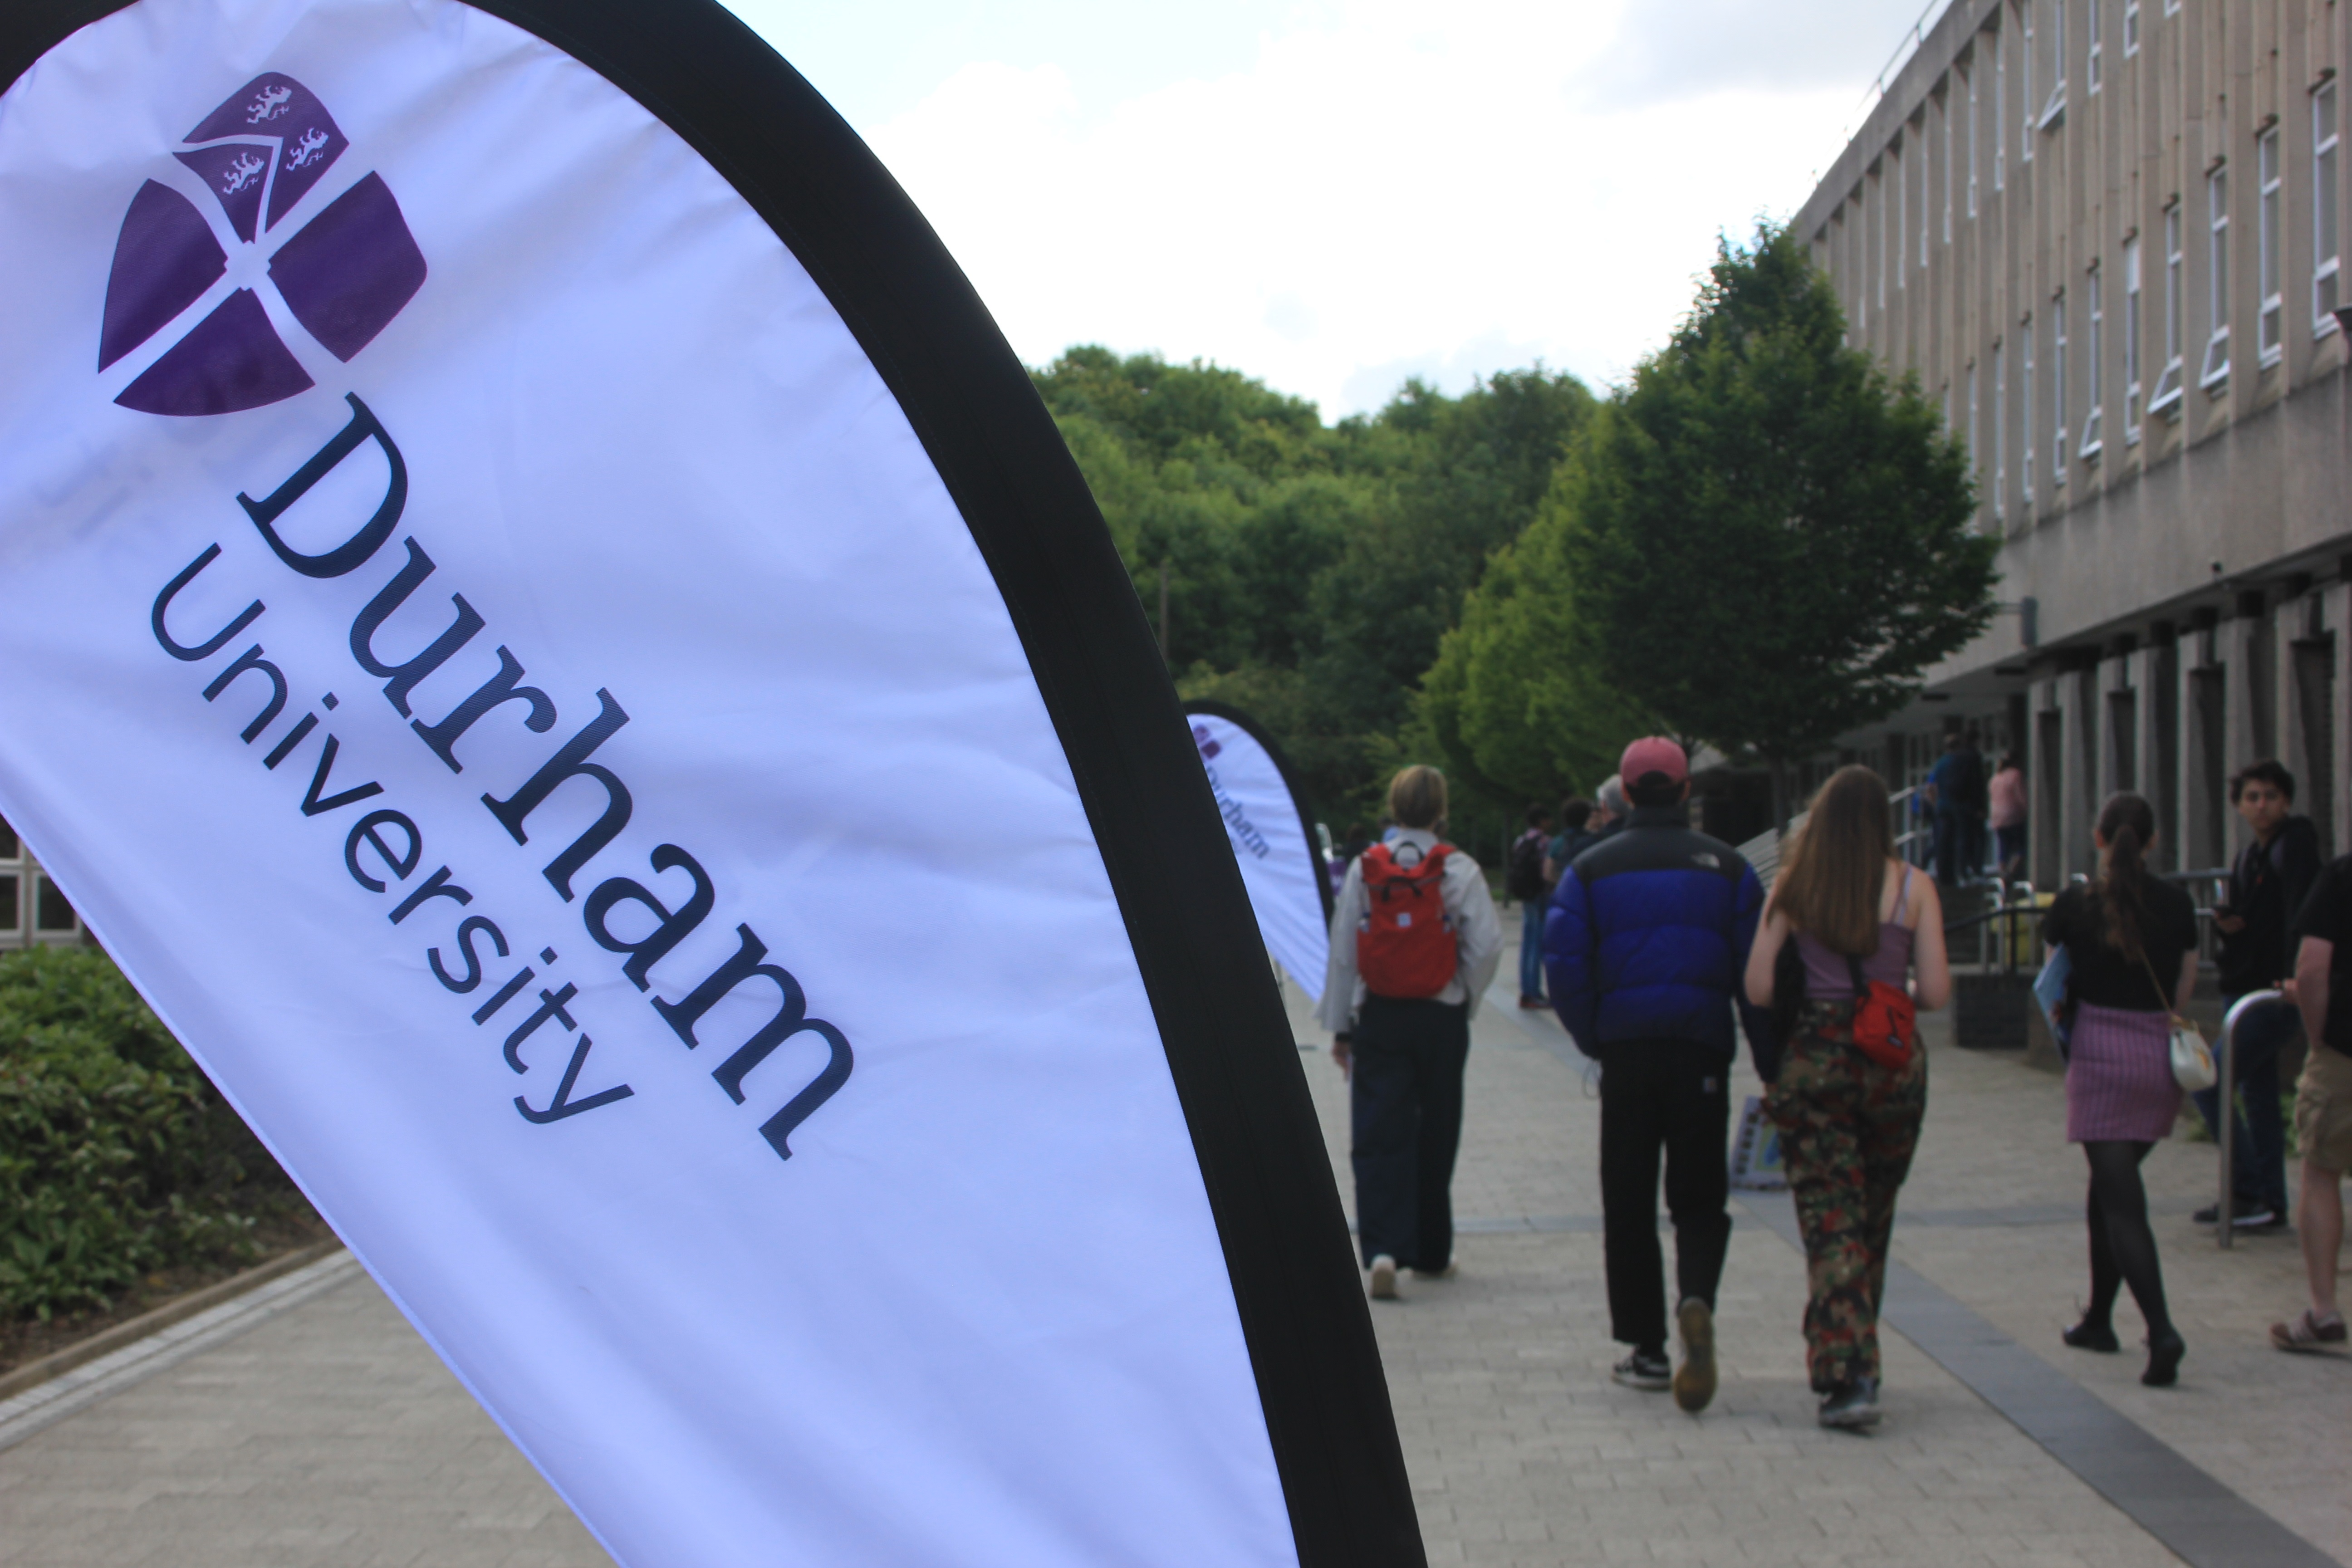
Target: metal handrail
{"type": "Point", "coordinates": [2225, 1113]}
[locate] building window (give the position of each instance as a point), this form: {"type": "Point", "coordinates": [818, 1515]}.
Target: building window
{"type": "Point", "coordinates": [2326, 249]}
{"type": "Point", "coordinates": [2172, 7]}
{"type": "Point", "coordinates": [1920, 136]}
{"type": "Point", "coordinates": [2025, 405]}
{"type": "Point", "coordinates": [1895, 171]}
{"type": "Point", "coordinates": [1879, 238]}
{"type": "Point", "coordinates": [2166, 395]}
{"type": "Point", "coordinates": [1999, 434]}
{"type": "Point", "coordinates": [2217, 260]}
{"type": "Point", "coordinates": [2270, 321]}
{"type": "Point", "coordinates": [2025, 84]}
{"type": "Point", "coordinates": [1974, 131]}
{"type": "Point", "coordinates": [2131, 29]}
{"type": "Point", "coordinates": [1943, 111]}
{"type": "Point", "coordinates": [2053, 113]}
{"type": "Point", "coordinates": [2091, 66]}
{"type": "Point", "coordinates": [1999, 114]}
{"type": "Point", "coordinates": [2092, 383]}
{"type": "Point", "coordinates": [2058, 389]}
{"type": "Point", "coordinates": [1973, 427]}
{"type": "Point", "coordinates": [2131, 341]}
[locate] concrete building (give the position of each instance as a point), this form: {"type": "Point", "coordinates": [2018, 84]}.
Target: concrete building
{"type": "Point", "coordinates": [2107, 237]}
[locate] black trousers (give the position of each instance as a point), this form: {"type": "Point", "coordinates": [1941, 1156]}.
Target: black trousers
{"type": "Point", "coordinates": [1405, 1100]}
{"type": "Point", "coordinates": [1671, 1095]}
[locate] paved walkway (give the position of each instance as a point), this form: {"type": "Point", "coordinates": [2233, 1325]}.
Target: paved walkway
{"type": "Point", "coordinates": [329, 1433]}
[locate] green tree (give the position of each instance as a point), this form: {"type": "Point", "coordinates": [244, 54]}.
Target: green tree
{"type": "Point", "coordinates": [1515, 701]}
{"type": "Point", "coordinates": [1312, 570]}
{"type": "Point", "coordinates": [1765, 541]}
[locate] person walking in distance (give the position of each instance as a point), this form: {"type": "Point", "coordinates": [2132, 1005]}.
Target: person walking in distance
{"type": "Point", "coordinates": [1644, 945]}
{"type": "Point", "coordinates": [1415, 943]}
{"type": "Point", "coordinates": [1851, 1087]}
{"type": "Point", "coordinates": [2131, 939]}
{"type": "Point", "coordinates": [2268, 883]}
{"type": "Point", "coordinates": [2322, 1101]}
{"type": "Point", "coordinates": [1525, 881]}
{"type": "Point", "coordinates": [2006, 794]}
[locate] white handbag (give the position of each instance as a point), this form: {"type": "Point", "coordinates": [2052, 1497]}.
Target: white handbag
{"type": "Point", "coordinates": [2193, 1058]}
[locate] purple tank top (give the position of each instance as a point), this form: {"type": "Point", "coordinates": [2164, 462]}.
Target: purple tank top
{"type": "Point", "coordinates": [1826, 978]}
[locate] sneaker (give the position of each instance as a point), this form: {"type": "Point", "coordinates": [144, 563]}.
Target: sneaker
{"type": "Point", "coordinates": [1384, 1278]}
{"type": "Point", "coordinates": [1646, 1370]}
{"type": "Point", "coordinates": [1851, 1406]}
{"type": "Point", "coordinates": [1533, 1002]}
{"type": "Point", "coordinates": [2310, 1333]}
{"type": "Point", "coordinates": [2164, 1355]}
{"type": "Point", "coordinates": [2245, 1214]}
{"type": "Point", "coordinates": [1695, 1380]}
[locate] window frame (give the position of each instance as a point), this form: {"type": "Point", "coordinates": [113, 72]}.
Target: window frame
{"type": "Point", "coordinates": [2000, 432]}
{"type": "Point", "coordinates": [2093, 390]}
{"type": "Point", "coordinates": [2132, 323]}
{"type": "Point", "coordinates": [2166, 398]}
{"type": "Point", "coordinates": [2213, 375]}
{"type": "Point", "coordinates": [2131, 29]}
{"type": "Point", "coordinates": [2094, 47]}
{"type": "Point", "coordinates": [2025, 331]}
{"type": "Point", "coordinates": [2327, 218]}
{"type": "Point", "coordinates": [2270, 316]}
{"type": "Point", "coordinates": [2058, 431]}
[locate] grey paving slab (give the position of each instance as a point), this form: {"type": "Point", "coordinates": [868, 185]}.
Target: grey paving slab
{"type": "Point", "coordinates": [328, 1435]}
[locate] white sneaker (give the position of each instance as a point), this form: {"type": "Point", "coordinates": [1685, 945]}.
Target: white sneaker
{"type": "Point", "coordinates": [1384, 1278]}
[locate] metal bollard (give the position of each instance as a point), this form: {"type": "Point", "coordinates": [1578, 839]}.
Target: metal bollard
{"type": "Point", "coordinates": [2226, 1062]}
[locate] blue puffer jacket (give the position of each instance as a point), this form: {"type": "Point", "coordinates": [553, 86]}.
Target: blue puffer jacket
{"type": "Point", "coordinates": [1647, 938]}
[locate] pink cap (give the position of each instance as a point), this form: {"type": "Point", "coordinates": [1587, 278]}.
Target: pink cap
{"type": "Point", "coordinates": [1654, 755]}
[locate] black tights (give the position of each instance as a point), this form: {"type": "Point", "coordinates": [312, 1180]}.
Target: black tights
{"type": "Point", "coordinates": [2123, 1248]}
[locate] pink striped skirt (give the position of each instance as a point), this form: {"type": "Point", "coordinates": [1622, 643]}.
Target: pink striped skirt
{"type": "Point", "coordinates": [2119, 1082]}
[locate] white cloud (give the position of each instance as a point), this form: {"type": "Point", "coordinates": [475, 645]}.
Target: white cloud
{"type": "Point", "coordinates": [1379, 190]}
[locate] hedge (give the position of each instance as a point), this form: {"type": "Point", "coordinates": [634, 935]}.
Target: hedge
{"type": "Point", "coordinates": [117, 1155]}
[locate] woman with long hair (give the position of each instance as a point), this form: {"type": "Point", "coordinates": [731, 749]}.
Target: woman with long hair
{"type": "Point", "coordinates": [2131, 940]}
{"type": "Point", "coordinates": [1851, 1087]}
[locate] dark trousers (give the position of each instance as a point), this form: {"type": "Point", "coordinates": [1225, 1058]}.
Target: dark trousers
{"type": "Point", "coordinates": [2012, 849]}
{"type": "Point", "coordinates": [1405, 1097]}
{"type": "Point", "coordinates": [1669, 1095]}
{"type": "Point", "coordinates": [2258, 1153]}
{"type": "Point", "coordinates": [1951, 847]}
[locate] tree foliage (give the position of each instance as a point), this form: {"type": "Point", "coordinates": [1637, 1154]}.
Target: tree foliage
{"type": "Point", "coordinates": [1764, 541]}
{"type": "Point", "coordinates": [1311, 569]}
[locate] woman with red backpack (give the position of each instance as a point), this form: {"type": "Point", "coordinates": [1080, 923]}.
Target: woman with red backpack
{"type": "Point", "coordinates": [1846, 924]}
{"type": "Point", "coordinates": [1415, 943]}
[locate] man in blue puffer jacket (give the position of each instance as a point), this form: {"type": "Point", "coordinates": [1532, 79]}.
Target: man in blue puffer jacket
{"type": "Point", "coordinates": [1644, 946]}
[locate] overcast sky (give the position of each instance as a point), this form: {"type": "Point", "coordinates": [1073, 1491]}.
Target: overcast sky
{"type": "Point", "coordinates": [1334, 195]}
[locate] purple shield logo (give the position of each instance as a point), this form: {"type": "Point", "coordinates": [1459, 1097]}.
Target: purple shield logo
{"type": "Point", "coordinates": [342, 276]}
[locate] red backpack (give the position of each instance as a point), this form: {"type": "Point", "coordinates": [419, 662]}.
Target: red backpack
{"type": "Point", "coordinates": [1404, 943]}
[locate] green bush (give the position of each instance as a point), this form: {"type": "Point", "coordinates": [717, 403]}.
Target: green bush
{"type": "Point", "coordinates": [117, 1155]}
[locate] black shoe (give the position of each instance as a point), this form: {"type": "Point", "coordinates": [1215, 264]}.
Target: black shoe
{"type": "Point", "coordinates": [2245, 1214]}
{"type": "Point", "coordinates": [2164, 1353]}
{"type": "Point", "coordinates": [1646, 1370]}
{"type": "Point", "coordinates": [1851, 1406]}
{"type": "Point", "coordinates": [2087, 1336]}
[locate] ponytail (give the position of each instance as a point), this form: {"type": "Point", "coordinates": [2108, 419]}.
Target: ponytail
{"type": "Point", "coordinates": [2128, 824]}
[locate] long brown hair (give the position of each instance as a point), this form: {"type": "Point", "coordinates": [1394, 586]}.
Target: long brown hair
{"type": "Point", "coordinates": [2128, 824]}
{"type": "Point", "coordinates": [1833, 874]}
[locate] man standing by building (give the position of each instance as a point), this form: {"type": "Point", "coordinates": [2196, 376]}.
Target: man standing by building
{"type": "Point", "coordinates": [2322, 1101]}
{"type": "Point", "coordinates": [1646, 944]}
{"type": "Point", "coordinates": [2268, 883]}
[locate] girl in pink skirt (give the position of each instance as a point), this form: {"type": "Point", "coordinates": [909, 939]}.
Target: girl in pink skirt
{"type": "Point", "coordinates": [2132, 940]}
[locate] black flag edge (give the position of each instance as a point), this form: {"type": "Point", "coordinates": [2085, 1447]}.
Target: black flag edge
{"type": "Point", "coordinates": [1249, 726]}
{"type": "Point", "coordinates": [728, 94]}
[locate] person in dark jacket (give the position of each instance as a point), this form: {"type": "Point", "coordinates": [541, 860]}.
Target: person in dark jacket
{"type": "Point", "coordinates": [2272, 874]}
{"type": "Point", "coordinates": [1644, 945]}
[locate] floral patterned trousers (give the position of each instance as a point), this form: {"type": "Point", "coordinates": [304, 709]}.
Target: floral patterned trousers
{"type": "Point", "coordinates": [1848, 1127]}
